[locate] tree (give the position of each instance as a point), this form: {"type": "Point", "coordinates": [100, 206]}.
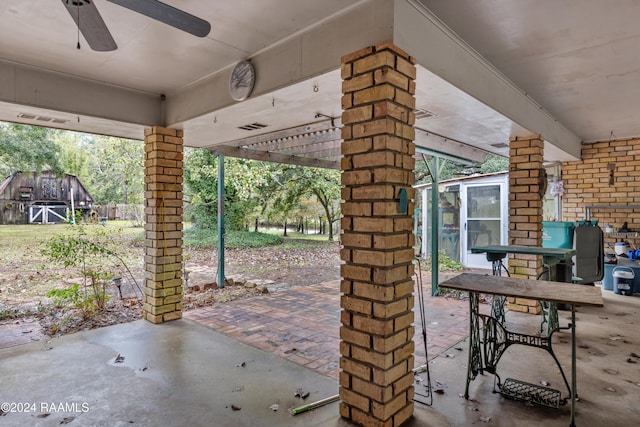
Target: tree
{"type": "Point", "coordinates": [116, 168]}
{"type": "Point", "coordinates": [28, 149]}
{"type": "Point", "coordinates": [73, 158]}
{"type": "Point", "coordinates": [324, 184]}
{"type": "Point", "coordinates": [447, 170]}
{"type": "Point", "coordinates": [494, 163]}
{"type": "Point", "coordinates": [291, 184]}
{"type": "Point", "coordinates": [111, 168]}
{"type": "Point", "coordinates": [450, 169]}
{"type": "Point", "coordinates": [256, 189]}
{"type": "Point", "coordinates": [242, 179]}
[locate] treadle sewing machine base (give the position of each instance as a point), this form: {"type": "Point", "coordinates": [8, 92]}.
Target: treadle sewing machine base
{"type": "Point", "coordinates": [494, 340]}
{"type": "Point", "coordinates": [489, 339]}
{"type": "Point", "coordinates": [533, 393]}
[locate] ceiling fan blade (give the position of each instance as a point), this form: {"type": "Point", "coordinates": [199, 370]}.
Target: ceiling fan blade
{"type": "Point", "coordinates": [168, 14]}
{"type": "Point", "coordinates": [88, 19]}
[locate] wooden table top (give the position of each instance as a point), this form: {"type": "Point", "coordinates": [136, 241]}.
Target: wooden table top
{"type": "Point", "coordinates": [529, 250]}
{"type": "Point", "coordinates": [541, 290]}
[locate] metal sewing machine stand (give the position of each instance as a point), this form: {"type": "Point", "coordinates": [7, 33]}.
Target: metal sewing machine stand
{"type": "Point", "coordinates": [489, 339]}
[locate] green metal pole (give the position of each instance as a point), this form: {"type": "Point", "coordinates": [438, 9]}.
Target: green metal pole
{"type": "Point", "coordinates": [221, 221]}
{"type": "Point", "coordinates": [434, 226]}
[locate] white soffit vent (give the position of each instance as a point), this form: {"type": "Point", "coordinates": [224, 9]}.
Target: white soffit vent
{"type": "Point", "coordinates": [253, 126]}
{"type": "Point", "coordinates": [41, 118]}
{"type": "Point", "coordinates": [422, 113]}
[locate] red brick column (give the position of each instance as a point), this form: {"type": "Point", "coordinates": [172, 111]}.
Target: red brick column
{"type": "Point", "coordinates": [526, 179]}
{"type": "Point", "coordinates": [377, 284]}
{"type": "Point", "coordinates": [163, 224]}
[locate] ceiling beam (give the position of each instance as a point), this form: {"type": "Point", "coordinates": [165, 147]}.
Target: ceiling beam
{"type": "Point", "coordinates": [420, 151]}
{"type": "Point", "coordinates": [438, 49]}
{"type": "Point", "coordinates": [47, 90]}
{"type": "Point", "coordinates": [303, 55]}
{"type": "Point", "coordinates": [441, 144]}
{"type": "Point", "coordinates": [265, 156]}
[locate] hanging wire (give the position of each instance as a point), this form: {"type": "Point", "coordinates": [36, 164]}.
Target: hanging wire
{"type": "Point", "coordinates": [78, 10]}
{"type": "Point", "coordinates": [126, 268]}
{"type": "Point", "coordinates": [423, 324]}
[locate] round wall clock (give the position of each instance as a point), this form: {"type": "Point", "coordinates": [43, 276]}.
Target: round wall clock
{"type": "Point", "coordinates": [243, 77]}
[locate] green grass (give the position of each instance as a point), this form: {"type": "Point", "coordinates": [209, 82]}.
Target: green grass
{"type": "Point", "coordinates": [17, 240]}
{"type": "Point", "coordinates": [38, 231]}
{"type": "Point", "coordinates": [26, 238]}
{"type": "Point", "coordinates": [301, 240]}
{"type": "Point", "coordinates": [302, 243]}
{"type": "Point", "coordinates": [197, 238]}
{"type": "Point", "coordinates": [301, 236]}
{"type": "Point", "coordinates": [30, 272]}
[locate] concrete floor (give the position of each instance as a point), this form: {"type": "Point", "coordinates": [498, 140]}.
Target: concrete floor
{"type": "Point", "coordinates": [184, 374]}
{"type": "Point", "coordinates": [608, 384]}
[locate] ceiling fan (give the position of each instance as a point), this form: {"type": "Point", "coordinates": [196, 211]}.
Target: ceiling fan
{"type": "Point", "coordinates": [95, 31]}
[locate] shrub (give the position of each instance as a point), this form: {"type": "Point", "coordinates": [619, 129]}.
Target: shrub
{"type": "Point", "coordinates": [90, 253]}
{"type": "Point", "coordinates": [444, 263]}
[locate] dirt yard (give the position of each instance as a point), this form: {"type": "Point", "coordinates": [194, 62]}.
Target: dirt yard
{"type": "Point", "coordinates": [27, 275]}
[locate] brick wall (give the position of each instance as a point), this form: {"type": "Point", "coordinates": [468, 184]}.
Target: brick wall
{"type": "Point", "coordinates": [588, 182]}
{"type": "Point", "coordinates": [376, 379]}
{"type": "Point", "coordinates": [163, 224]}
{"type": "Point", "coordinates": [526, 157]}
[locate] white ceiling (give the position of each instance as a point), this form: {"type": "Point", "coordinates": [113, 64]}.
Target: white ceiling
{"type": "Point", "coordinates": [151, 56]}
{"type": "Point", "coordinates": [579, 58]}
{"type": "Point", "coordinates": [576, 61]}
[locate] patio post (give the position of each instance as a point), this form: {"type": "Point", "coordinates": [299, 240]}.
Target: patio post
{"type": "Point", "coordinates": [221, 221]}
{"type": "Point", "coordinates": [526, 181]}
{"type": "Point", "coordinates": [435, 227]}
{"type": "Point", "coordinates": [376, 378]}
{"type": "Point", "coordinates": [163, 224]}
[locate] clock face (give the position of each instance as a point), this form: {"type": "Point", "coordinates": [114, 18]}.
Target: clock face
{"type": "Point", "coordinates": [243, 77]}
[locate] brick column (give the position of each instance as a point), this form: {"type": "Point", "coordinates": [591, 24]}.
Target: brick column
{"type": "Point", "coordinates": [163, 224]}
{"type": "Point", "coordinates": [376, 381]}
{"type": "Point", "coordinates": [526, 176]}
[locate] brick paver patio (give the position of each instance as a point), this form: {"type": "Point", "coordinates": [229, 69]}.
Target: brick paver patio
{"type": "Point", "coordinates": [302, 324]}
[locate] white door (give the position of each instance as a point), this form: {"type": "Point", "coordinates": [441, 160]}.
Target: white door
{"type": "Point", "coordinates": [47, 214]}
{"type": "Point", "coordinates": [36, 214]}
{"type": "Point", "coordinates": [484, 220]}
